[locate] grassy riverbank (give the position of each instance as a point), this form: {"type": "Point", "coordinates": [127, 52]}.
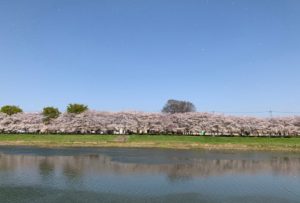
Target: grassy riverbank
{"type": "Point", "coordinates": [176, 142]}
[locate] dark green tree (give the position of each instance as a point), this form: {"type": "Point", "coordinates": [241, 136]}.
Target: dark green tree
{"type": "Point", "coordinates": [10, 109]}
{"type": "Point", "coordinates": [50, 113]}
{"type": "Point", "coordinates": [176, 106]}
{"type": "Point", "coordinates": [76, 108]}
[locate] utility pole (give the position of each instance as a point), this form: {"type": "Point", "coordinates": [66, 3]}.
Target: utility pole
{"type": "Point", "coordinates": [271, 113]}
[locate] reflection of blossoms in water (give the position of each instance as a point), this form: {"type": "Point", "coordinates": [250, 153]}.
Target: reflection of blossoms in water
{"type": "Point", "coordinates": [197, 166]}
{"type": "Point", "coordinates": [151, 123]}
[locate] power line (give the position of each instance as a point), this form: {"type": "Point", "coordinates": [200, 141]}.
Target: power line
{"type": "Point", "coordinates": [270, 112]}
{"type": "Point", "coordinates": [287, 112]}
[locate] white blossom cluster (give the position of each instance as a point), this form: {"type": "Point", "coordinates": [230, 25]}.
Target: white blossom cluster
{"type": "Point", "coordinates": [93, 122]}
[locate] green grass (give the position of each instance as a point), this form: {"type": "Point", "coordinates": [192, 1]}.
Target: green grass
{"type": "Point", "coordinates": [253, 143]}
{"type": "Point", "coordinates": [247, 141]}
{"type": "Point", "coordinates": [153, 141]}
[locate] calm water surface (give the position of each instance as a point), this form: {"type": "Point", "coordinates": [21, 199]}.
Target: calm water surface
{"type": "Point", "coordinates": [147, 175]}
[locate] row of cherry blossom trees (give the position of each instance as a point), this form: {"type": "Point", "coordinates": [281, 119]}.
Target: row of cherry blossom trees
{"type": "Point", "coordinates": [93, 122]}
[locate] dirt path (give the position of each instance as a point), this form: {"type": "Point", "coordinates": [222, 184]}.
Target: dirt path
{"type": "Point", "coordinates": [121, 138]}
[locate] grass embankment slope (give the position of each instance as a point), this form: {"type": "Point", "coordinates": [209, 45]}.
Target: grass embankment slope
{"type": "Point", "coordinates": [162, 141]}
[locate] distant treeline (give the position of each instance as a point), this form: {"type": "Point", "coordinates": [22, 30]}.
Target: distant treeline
{"type": "Point", "coordinates": [191, 123]}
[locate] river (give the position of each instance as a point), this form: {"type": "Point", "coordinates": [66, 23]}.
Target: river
{"type": "Point", "coordinates": [44, 175]}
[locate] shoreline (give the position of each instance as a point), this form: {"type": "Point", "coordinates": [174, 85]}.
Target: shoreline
{"type": "Point", "coordinates": [231, 147]}
{"type": "Point", "coordinates": [163, 142]}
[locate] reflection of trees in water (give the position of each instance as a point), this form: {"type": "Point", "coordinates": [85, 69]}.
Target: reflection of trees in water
{"type": "Point", "coordinates": [180, 173]}
{"type": "Point", "coordinates": [3, 167]}
{"type": "Point", "coordinates": [46, 168]}
{"type": "Point", "coordinates": [76, 166]}
{"type": "Point", "coordinates": [71, 170]}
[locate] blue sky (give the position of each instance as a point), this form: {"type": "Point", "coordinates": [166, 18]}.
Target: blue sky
{"type": "Point", "coordinates": [225, 55]}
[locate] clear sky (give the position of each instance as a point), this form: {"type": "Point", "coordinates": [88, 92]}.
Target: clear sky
{"type": "Point", "coordinates": [222, 55]}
